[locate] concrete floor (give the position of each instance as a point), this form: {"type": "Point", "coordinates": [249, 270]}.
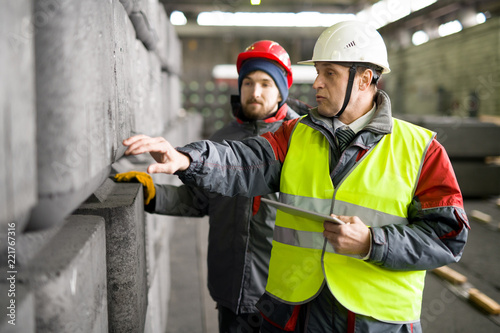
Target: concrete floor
{"type": "Point", "coordinates": [444, 309]}
{"type": "Point", "coordinates": [191, 309]}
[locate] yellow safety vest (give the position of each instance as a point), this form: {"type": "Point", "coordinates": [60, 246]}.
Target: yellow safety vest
{"type": "Point", "coordinates": [378, 189]}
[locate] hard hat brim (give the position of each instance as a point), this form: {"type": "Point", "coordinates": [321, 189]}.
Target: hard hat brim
{"type": "Point", "coordinates": [306, 62]}
{"type": "Point", "coordinates": [385, 70]}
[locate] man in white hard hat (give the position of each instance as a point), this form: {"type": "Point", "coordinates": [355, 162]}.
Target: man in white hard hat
{"type": "Point", "coordinates": [390, 182]}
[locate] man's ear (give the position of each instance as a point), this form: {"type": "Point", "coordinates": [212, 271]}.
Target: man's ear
{"type": "Point", "coordinates": [365, 79]}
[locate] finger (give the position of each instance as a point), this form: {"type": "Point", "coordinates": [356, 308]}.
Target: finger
{"type": "Point", "coordinates": [345, 218]}
{"type": "Point", "coordinates": [135, 142]}
{"type": "Point", "coordinates": [329, 234]}
{"type": "Point", "coordinates": [132, 139]}
{"type": "Point", "coordinates": [332, 238]}
{"type": "Point", "coordinates": [144, 146]}
{"type": "Point", "coordinates": [139, 140]}
{"type": "Point", "coordinates": [332, 227]}
{"type": "Point", "coordinates": [161, 168]}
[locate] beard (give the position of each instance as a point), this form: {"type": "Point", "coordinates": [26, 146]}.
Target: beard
{"type": "Point", "coordinates": [255, 110]}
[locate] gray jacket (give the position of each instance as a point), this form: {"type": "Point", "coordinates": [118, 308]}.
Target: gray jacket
{"type": "Point", "coordinates": [241, 229]}
{"type": "Point", "coordinates": [438, 228]}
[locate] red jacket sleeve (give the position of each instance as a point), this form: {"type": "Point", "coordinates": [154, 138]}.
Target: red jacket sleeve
{"type": "Point", "coordinates": [279, 139]}
{"type": "Point", "coordinates": [437, 185]}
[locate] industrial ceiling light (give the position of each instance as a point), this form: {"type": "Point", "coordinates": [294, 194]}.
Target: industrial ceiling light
{"type": "Point", "coordinates": [255, 2]}
{"type": "Point", "coordinates": [178, 18]}
{"type": "Point", "coordinates": [480, 18]}
{"type": "Point", "coordinates": [419, 37]}
{"type": "Point", "coordinates": [384, 12]}
{"type": "Point", "coordinates": [378, 15]}
{"type": "Point", "coordinates": [449, 28]}
{"type": "Point", "coordinates": [250, 19]}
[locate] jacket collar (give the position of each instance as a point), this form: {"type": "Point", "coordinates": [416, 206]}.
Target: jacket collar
{"type": "Point", "coordinates": [381, 122]}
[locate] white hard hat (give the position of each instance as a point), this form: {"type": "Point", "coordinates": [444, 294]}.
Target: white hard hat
{"type": "Point", "coordinates": [352, 42]}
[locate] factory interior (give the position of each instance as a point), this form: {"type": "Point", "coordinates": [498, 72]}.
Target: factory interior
{"type": "Point", "coordinates": [79, 252]}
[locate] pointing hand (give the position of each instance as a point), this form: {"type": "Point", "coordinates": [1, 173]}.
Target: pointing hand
{"type": "Point", "coordinates": [168, 158]}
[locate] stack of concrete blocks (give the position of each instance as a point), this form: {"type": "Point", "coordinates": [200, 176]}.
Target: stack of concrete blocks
{"type": "Point", "coordinates": [473, 147]}
{"type": "Point", "coordinates": [83, 75]}
{"type": "Point", "coordinates": [18, 177]}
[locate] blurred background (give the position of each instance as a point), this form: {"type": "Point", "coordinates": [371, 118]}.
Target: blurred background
{"type": "Point", "coordinates": [79, 254]}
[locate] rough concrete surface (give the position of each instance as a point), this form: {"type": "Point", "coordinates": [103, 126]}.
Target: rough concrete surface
{"type": "Point", "coordinates": [24, 310]}
{"type": "Point", "coordinates": [123, 212]}
{"type": "Point", "coordinates": [18, 173]}
{"type": "Point", "coordinates": [68, 278]}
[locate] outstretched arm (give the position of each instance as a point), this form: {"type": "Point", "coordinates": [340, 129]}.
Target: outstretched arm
{"type": "Point", "coordinates": [250, 167]}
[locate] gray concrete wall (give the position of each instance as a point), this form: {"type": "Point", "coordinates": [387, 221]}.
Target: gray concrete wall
{"type": "Point", "coordinates": [18, 183]}
{"type": "Point", "coordinates": [442, 76]}
{"type": "Point", "coordinates": [79, 251]}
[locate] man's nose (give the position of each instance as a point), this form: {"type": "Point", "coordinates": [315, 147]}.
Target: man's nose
{"type": "Point", "coordinates": [257, 90]}
{"type": "Point", "coordinates": [318, 83]}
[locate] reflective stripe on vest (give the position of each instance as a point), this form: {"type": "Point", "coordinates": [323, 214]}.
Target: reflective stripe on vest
{"type": "Point", "coordinates": [301, 258]}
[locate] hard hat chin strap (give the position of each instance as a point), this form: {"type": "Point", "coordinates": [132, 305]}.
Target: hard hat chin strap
{"type": "Point", "coordinates": [352, 73]}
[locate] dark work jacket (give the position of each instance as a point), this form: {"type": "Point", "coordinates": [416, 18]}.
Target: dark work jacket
{"type": "Point", "coordinates": [241, 228]}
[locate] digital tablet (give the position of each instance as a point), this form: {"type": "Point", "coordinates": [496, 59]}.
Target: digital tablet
{"type": "Point", "coordinates": [302, 212]}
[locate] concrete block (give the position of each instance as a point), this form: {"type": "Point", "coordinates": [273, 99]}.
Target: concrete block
{"type": "Point", "coordinates": [124, 48]}
{"type": "Point", "coordinates": [75, 102]}
{"type": "Point", "coordinates": [159, 290]}
{"type": "Point", "coordinates": [144, 16]}
{"type": "Point", "coordinates": [73, 95]}
{"type": "Point", "coordinates": [194, 122]}
{"type": "Point", "coordinates": [18, 190]}
{"type": "Point", "coordinates": [148, 118]}
{"type": "Point", "coordinates": [187, 129]}
{"type": "Point", "coordinates": [145, 20]}
{"type": "Point", "coordinates": [68, 278]}
{"type": "Point", "coordinates": [477, 179]}
{"type": "Point", "coordinates": [152, 8]}
{"type": "Point", "coordinates": [169, 113]}
{"type": "Point", "coordinates": [463, 137]}
{"type": "Point", "coordinates": [123, 211]}
{"type": "Point", "coordinates": [442, 63]}
{"type": "Point", "coordinates": [128, 5]}
{"type": "Point", "coordinates": [158, 231]}
{"type": "Point", "coordinates": [29, 244]}
{"type": "Point", "coordinates": [156, 116]}
{"type": "Point", "coordinates": [175, 95]}
{"type": "Point", "coordinates": [22, 320]}
{"type": "Point", "coordinates": [152, 248]}
{"type": "Point", "coordinates": [153, 313]}
{"type": "Point", "coordinates": [144, 31]}
{"type": "Point", "coordinates": [140, 72]}
{"type": "Point", "coordinates": [174, 58]}
{"type": "Point", "coordinates": [162, 29]}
